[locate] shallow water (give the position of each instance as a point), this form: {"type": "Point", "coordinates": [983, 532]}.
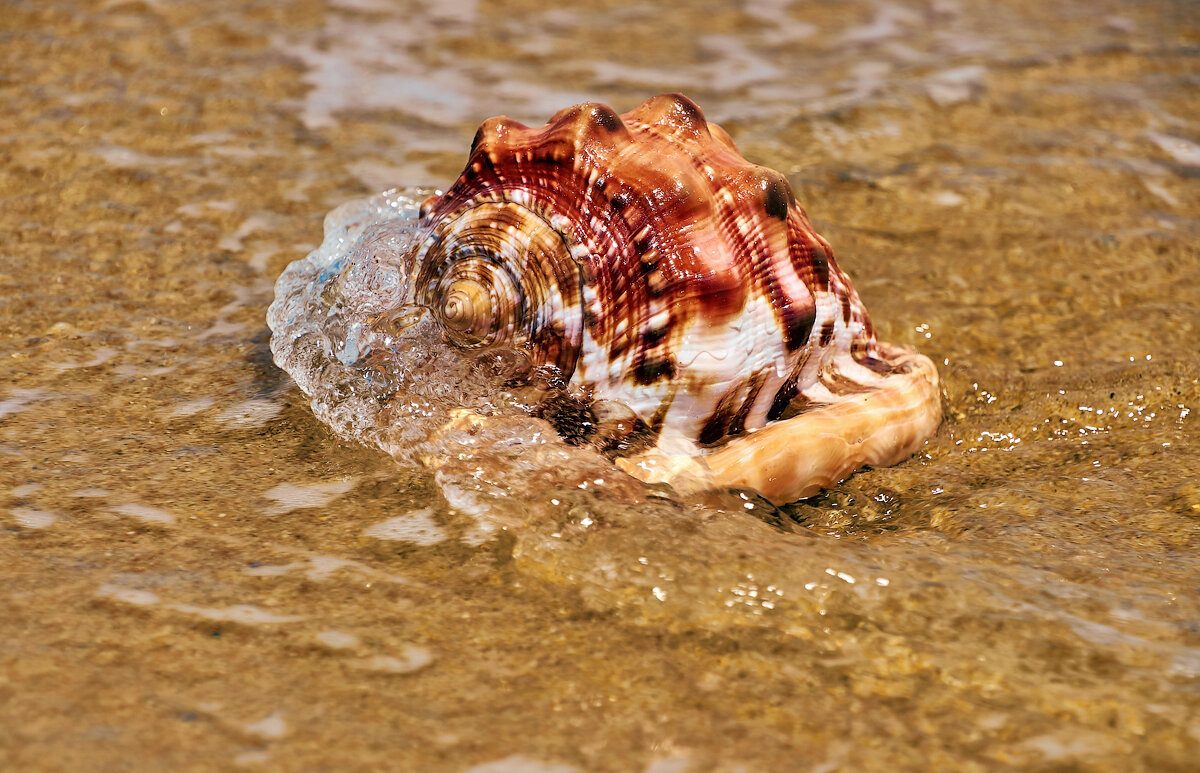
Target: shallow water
{"type": "Point", "coordinates": [197, 574]}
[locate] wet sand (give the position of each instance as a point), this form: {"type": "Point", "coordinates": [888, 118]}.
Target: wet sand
{"type": "Point", "coordinates": [197, 574]}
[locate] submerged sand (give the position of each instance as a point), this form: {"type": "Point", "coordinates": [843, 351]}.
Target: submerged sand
{"type": "Point", "coordinates": [196, 574]}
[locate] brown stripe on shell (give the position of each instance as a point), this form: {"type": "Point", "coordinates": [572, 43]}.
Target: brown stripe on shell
{"type": "Point", "coordinates": [784, 397]}
{"type": "Point", "coordinates": [652, 369]}
{"type": "Point", "coordinates": [738, 424]}
{"type": "Point", "coordinates": [797, 406]}
{"type": "Point", "coordinates": [729, 417]}
{"type": "Point", "coordinates": [840, 384]}
{"type": "Point", "coordinates": [787, 393]}
{"type": "Point", "coordinates": [809, 257]}
{"type": "Point", "coordinates": [827, 330]}
{"type": "Point", "coordinates": [758, 189]}
{"type": "Point", "coordinates": [865, 354]}
{"type": "Point", "coordinates": [717, 424]}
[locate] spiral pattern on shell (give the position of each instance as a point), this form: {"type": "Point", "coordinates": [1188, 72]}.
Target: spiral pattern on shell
{"type": "Point", "coordinates": [499, 275]}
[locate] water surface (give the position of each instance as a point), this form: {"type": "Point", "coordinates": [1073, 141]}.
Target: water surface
{"type": "Point", "coordinates": [198, 574]}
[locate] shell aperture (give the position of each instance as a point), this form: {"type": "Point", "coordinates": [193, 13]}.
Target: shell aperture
{"type": "Point", "coordinates": [638, 260]}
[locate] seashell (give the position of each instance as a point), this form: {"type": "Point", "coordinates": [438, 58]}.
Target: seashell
{"type": "Point", "coordinates": [640, 260]}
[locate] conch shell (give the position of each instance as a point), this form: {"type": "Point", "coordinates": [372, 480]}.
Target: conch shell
{"type": "Point", "coordinates": [638, 259]}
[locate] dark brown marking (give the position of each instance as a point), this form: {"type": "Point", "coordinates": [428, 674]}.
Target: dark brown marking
{"type": "Point", "coordinates": [715, 428]}
{"type": "Point", "coordinates": [777, 196]}
{"type": "Point", "coordinates": [649, 371]}
{"type": "Point", "coordinates": [797, 323]}
{"type": "Point", "coordinates": [841, 384]}
{"type": "Point", "coordinates": [688, 110]}
{"type": "Point", "coordinates": [820, 266]}
{"type": "Point", "coordinates": [738, 423]}
{"type": "Point", "coordinates": [865, 354]}
{"type": "Point", "coordinates": [808, 257]}
{"type": "Point", "coordinates": [572, 419]}
{"type": "Point", "coordinates": [652, 337]}
{"type": "Point", "coordinates": [618, 347]}
{"type": "Point", "coordinates": [550, 346]}
{"type": "Point", "coordinates": [660, 413]}
{"type": "Point", "coordinates": [606, 118]}
{"type": "Point", "coordinates": [882, 367]}
{"type": "Point", "coordinates": [797, 406]}
{"type": "Point", "coordinates": [783, 397]}
{"type": "Point", "coordinates": [827, 333]}
{"type": "Point", "coordinates": [619, 202]}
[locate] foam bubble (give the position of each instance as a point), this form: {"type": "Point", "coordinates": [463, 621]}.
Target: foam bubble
{"type": "Point", "coordinates": [378, 370]}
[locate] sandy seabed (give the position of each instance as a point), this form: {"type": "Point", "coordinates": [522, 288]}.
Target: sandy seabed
{"type": "Point", "coordinates": [196, 574]}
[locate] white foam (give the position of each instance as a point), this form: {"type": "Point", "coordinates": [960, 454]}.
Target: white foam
{"type": "Point", "coordinates": [91, 492]}
{"type": "Point", "coordinates": [249, 413]}
{"type": "Point", "coordinates": [192, 407]}
{"type": "Point", "coordinates": [139, 598]}
{"type": "Point", "coordinates": [239, 613]}
{"type": "Point", "coordinates": [520, 764]}
{"type": "Point", "coordinates": [271, 726]}
{"type": "Point", "coordinates": [337, 640]}
{"type": "Point", "coordinates": [144, 513]}
{"type": "Point", "coordinates": [100, 355]}
{"type": "Point", "coordinates": [29, 518]}
{"type": "Point", "coordinates": [251, 757]}
{"type": "Point", "coordinates": [1183, 151]}
{"type": "Point", "coordinates": [20, 399]}
{"type": "Point", "coordinates": [410, 659]}
{"type": "Point", "coordinates": [418, 527]}
{"type": "Point", "coordinates": [295, 496]}
{"type": "Point", "coordinates": [322, 567]}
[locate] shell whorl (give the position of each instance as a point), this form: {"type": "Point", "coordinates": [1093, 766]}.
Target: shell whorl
{"type": "Point", "coordinates": [649, 262]}
{"type": "Point", "coordinates": [497, 274]}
